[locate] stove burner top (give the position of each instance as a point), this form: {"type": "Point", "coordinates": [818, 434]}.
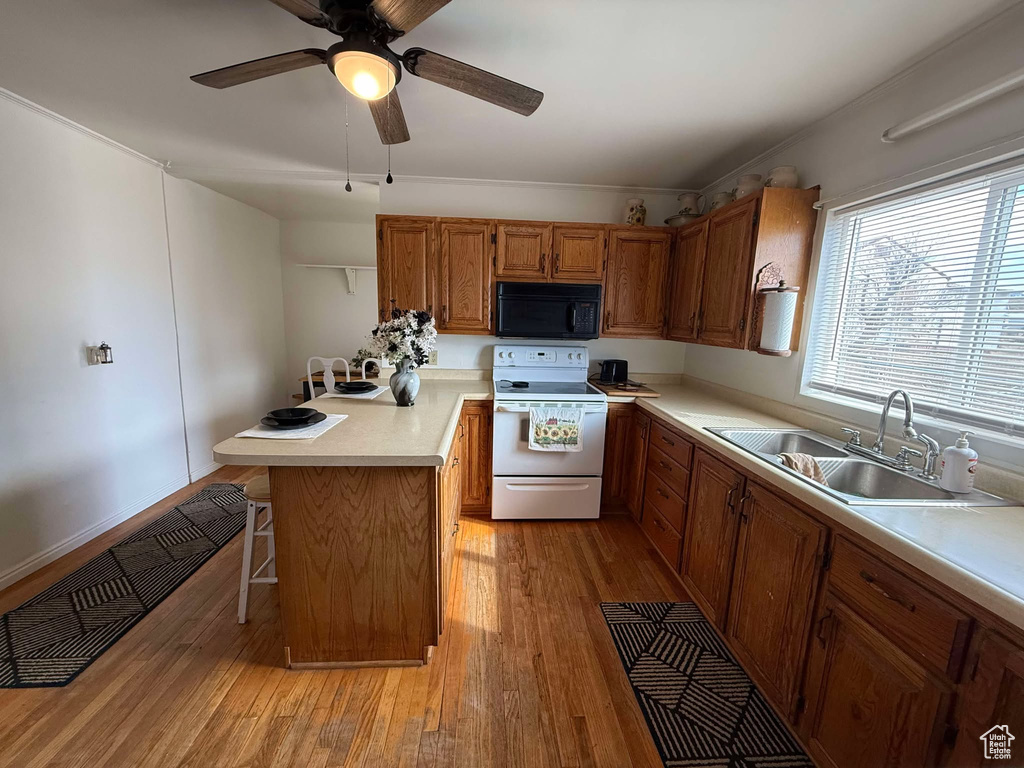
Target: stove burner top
{"type": "Point", "coordinates": [520, 385]}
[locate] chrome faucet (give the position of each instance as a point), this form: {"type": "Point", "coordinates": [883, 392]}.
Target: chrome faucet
{"type": "Point", "coordinates": [902, 459]}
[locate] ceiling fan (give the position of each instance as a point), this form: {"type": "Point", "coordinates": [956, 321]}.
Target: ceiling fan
{"type": "Point", "coordinates": [368, 68]}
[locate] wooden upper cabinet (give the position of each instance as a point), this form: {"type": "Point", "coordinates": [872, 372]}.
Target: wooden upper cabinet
{"type": "Point", "coordinates": [774, 585]}
{"type": "Point", "coordinates": [686, 281]}
{"type": "Point", "coordinates": [710, 539]}
{"type": "Point", "coordinates": [523, 250]}
{"type": "Point", "coordinates": [579, 253]}
{"type": "Point", "coordinates": [465, 276]}
{"type": "Point", "coordinates": [406, 258]}
{"type": "Point", "coordinates": [868, 703]}
{"type": "Point", "coordinates": [992, 696]}
{"type": "Point", "coordinates": [634, 286]}
{"type": "Point", "coordinates": [722, 318]}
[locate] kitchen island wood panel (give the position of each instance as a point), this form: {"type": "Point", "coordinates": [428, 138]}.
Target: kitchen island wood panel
{"type": "Point", "coordinates": [356, 553]}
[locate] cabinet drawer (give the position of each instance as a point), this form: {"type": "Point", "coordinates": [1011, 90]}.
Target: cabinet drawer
{"type": "Point", "coordinates": [677, 448]}
{"type": "Point", "coordinates": [669, 471]}
{"type": "Point", "coordinates": [669, 503]}
{"type": "Point", "coordinates": [925, 625]}
{"type": "Point", "coordinates": [660, 531]}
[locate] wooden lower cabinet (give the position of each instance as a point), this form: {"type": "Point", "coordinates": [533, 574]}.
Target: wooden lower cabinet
{"type": "Point", "coordinates": [774, 585]}
{"type": "Point", "coordinates": [869, 704]}
{"type": "Point", "coordinates": [614, 477]}
{"type": "Point", "coordinates": [635, 460]}
{"type": "Point", "coordinates": [476, 427]}
{"type": "Point", "coordinates": [991, 697]}
{"type": "Point", "coordinates": [449, 505]}
{"type": "Point", "coordinates": [710, 537]}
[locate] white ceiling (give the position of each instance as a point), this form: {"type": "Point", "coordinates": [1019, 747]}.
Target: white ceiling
{"type": "Point", "coordinates": [657, 93]}
{"type": "Point", "coordinates": [289, 199]}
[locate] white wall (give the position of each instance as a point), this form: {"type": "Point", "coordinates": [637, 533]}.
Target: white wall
{"type": "Point", "coordinates": [226, 268]}
{"type": "Point", "coordinates": [845, 156]}
{"type": "Point", "coordinates": [83, 259]}
{"type": "Point", "coordinates": [320, 316]}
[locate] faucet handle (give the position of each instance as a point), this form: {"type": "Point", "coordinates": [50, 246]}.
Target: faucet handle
{"type": "Point", "coordinates": [854, 435]}
{"type": "Point", "coordinates": [903, 457]}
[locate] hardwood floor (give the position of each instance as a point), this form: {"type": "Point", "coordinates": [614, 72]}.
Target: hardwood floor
{"type": "Point", "coordinates": [525, 675]}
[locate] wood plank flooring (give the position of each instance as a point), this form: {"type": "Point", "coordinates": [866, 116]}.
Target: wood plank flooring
{"type": "Point", "coordinates": [525, 675]}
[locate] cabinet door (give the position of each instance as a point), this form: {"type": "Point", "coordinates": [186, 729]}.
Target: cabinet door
{"type": "Point", "coordinates": [727, 278]}
{"type": "Point", "coordinates": [523, 249]}
{"type": "Point", "coordinates": [616, 447]}
{"type": "Point", "coordinates": [634, 294]}
{"type": "Point", "coordinates": [868, 703]}
{"type": "Point", "coordinates": [476, 457]}
{"type": "Point", "coordinates": [636, 461]}
{"type": "Point", "coordinates": [992, 696]}
{"type": "Point", "coordinates": [406, 260]}
{"type": "Point", "coordinates": [467, 256]}
{"type": "Point", "coordinates": [710, 539]}
{"type": "Point", "coordinates": [579, 254]}
{"type": "Point", "coordinates": [686, 282]}
{"type": "Point", "coordinates": [774, 584]}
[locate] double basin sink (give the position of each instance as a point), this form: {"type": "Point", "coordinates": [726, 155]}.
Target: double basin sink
{"type": "Point", "coordinates": [852, 479]}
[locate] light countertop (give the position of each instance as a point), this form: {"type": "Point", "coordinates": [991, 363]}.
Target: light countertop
{"type": "Point", "coordinates": [973, 550]}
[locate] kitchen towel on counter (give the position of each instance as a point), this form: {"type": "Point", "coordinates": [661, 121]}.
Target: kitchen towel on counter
{"type": "Point", "coordinates": [305, 433]}
{"type": "Point", "coordinates": [805, 464]}
{"type": "Point", "coordinates": [358, 396]}
{"type": "Point", "coordinates": [556, 429]}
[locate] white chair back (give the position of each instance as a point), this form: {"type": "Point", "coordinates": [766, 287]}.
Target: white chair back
{"type": "Point", "coordinates": [328, 364]}
{"type": "Point", "coordinates": [380, 365]}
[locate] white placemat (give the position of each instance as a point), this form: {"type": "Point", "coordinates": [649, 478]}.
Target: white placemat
{"type": "Point", "coordinates": [305, 433]}
{"type": "Point", "coordinates": [359, 396]}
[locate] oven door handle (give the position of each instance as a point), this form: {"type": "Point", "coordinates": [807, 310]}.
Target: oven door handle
{"type": "Point", "coordinates": [572, 317]}
{"type": "Point", "coordinates": [547, 487]}
{"type": "Point", "coordinates": [526, 408]}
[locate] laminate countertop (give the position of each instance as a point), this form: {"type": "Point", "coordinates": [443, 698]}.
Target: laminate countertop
{"type": "Point", "coordinates": [376, 433]}
{"type": "Point", "coordinates": [973, 550]}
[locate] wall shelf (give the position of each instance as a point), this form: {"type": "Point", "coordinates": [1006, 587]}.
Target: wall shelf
{"type": "Point", "coordinates": [350, 272]}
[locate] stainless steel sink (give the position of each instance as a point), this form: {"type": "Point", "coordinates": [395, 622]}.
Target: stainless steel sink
{"type": "Point", "coordinates": [851, 479]}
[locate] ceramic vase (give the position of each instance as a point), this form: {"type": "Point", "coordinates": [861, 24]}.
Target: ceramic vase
{"type": "Point", "coordinates": [405, 383]}
{"type": "Point", "coordinates": [746, 185]}
{"type": "Point", "coordinates": [782, 176]}
{"type": "Point", "coordinates": [636, 214]}
{"type": "Point", "coordinates": [720, 199]}
{"type": "Point", "coordinates": [691, 203]}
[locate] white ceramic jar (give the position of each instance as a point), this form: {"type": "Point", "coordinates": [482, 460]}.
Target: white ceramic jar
{"type": "Point", "coordinates": [746, 185]}
{"type": "Point", "coordinates": [783, 176]}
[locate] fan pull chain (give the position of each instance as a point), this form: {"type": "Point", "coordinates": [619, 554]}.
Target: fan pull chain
{"type": "Point", "coordinates": [389, 179]}
{"type": "Point", "coordinates": [348, 174]}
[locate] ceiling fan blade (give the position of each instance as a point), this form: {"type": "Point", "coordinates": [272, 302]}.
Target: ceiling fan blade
{"type": "Point", "coordinates": [260, 68]}
{"type": "Point", "coordinates": [307, 10]}
{"type": "Point", "coordinates": [476, 82]}
{"type": "Point", "coordinates": [390, 119]}
{"type": "Point", "coordinates": [406, 14]}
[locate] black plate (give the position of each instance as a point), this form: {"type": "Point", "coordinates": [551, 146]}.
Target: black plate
{"type": "Point", "coordinates": [354, 387]}
{"type": "Point", "coordinates": [267, 421]}
{"type": "Point", "coordinates": [293, 415]}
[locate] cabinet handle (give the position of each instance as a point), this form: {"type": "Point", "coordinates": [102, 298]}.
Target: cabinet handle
{"type": "Point", "coordinates": [558, 261]}
{"type": "Point", "coordinates": [455, 461]}
{"type": "Point", "coordinates": [661, 493]}
{"type": "Point", "coordinates": [543, 262]}
{"type": "Point", "coordinates": [664, 465]}
{"type": "Point", "coordinates": [658, 523]}
{"type": "Point", "coordinates": [873, 583]}
{"type": "Point", "coordinates": [692, 324]}
{"type": "Point", "coordinates": [666, 440]}
{"type": "Point", "coordinates": [444, 314]}
{"type": "Point", "coordinates": [608, 319]}
{"type": "Point", "coordinates": [743, 505]}
{"type": "Point", "coordinates": [822, 625]}
{"type": "Point", "coordinates": [728, 498]}
{"type": "Point", "coordinates": [700, 322]}
{"type": "Point", "coordinates": [462, 434]}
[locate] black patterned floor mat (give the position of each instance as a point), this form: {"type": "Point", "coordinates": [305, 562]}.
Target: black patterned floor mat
{"type": "Point", "coordinates": [700, 706]}
{"type": "Point", "coordinates": [47, 641]}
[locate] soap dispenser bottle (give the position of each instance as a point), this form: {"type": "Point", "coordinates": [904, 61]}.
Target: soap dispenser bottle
{"type": "Point", "coordinates": [959, 462]}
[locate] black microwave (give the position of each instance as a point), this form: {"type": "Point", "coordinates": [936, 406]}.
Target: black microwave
{"type": "Point", "coordinates": [549, 310]}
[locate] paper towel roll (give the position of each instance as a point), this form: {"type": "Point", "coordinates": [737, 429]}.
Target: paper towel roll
{"type": "Point", "coordinates": [777, 326]}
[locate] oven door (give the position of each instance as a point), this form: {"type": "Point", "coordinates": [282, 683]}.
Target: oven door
{"type": "Point", "coordinates": [512, 456]}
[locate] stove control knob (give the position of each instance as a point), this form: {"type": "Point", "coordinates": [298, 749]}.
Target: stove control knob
{"type": "Point", "coordinates": [511, 355]}
{"type": "Point", "coordinates": [501, 355]}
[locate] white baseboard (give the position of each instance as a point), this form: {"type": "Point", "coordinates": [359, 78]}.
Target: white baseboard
{"type": "Point", "coordinates": [199, 474]}
{"type": "Point", "coordinates": [34, 563]}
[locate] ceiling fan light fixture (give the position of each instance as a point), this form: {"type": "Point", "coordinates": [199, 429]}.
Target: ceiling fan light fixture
{"type": "Point", "coordinates": [368, 71]}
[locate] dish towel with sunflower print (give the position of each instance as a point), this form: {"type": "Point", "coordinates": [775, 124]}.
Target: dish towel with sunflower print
{"type": "Point", "coordinates": [556, 429]}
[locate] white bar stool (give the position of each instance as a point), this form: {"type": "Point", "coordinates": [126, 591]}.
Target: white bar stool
{"type": "Point", "coordinates": [257, 494]}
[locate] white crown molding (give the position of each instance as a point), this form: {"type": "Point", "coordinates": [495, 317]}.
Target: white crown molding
{"type": "Point", "coordinates": [21, 101]}
{"type": "Point", "coordinates": [203, 173]}
{"type": "Point", "coordinates": [864, 99]}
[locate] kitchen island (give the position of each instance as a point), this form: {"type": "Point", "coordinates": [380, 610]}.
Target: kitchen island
{"type": "Point", "coordinates": [363, 522]}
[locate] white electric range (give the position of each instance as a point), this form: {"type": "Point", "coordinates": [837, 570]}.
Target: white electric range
{"type": "Point", "coordinates": [541, 484]}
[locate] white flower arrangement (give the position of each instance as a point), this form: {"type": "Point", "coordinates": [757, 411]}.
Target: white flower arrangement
{"type": "Point", "coordinates": [408, 335]}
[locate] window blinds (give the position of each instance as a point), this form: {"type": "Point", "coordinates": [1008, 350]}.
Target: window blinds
{"type": "Point", "coordinates": [926, 293]}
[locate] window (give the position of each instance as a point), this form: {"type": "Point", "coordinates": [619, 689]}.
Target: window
{"type": "Point", "coordinates": [925, 292]}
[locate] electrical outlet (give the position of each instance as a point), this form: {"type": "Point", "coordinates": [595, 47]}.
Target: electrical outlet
{"type": "Point", "coordinates": [432, 358]}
